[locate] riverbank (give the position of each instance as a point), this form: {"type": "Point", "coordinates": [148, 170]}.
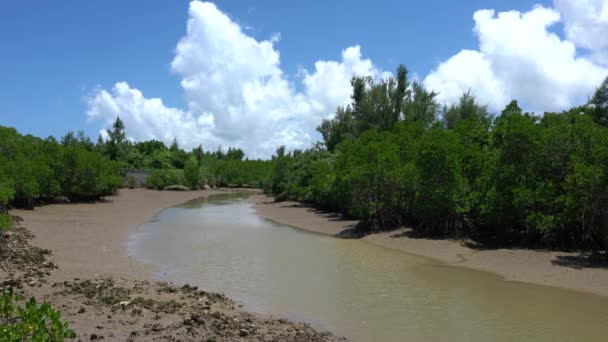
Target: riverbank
{"type": "Point", "coordinates": [571, 271]}
{"type": "Point", "coordinates": [82, 267]}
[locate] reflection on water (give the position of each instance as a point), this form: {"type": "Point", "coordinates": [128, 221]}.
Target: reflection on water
{"type": "Point", "coordinates": [352, 288]}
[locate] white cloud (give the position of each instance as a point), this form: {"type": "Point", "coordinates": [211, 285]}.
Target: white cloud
{"type": "Point", "coordinates": [467, 70]}
{"type": "Point", "coordinates": [237, 93]}
{"type": "Point", "coordinates": [519, 58]}
{"type": "Point", "coordinates": [586, 25]}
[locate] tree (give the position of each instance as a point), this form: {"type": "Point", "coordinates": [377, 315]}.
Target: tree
{"type": "Point", "coordinates": [279, 174]}
{"type": "Point", "coordinates": [192, 173]}
{"type": "Point", "coordinates": [598, 104]}
{"type": "Point", "coordinates": [198, 154]}
{"type": "Point", "coordinates": [117, 137]}
{"type": "Point", "coordinates": [235, 154]}
{"type": "Point", "coordinates": [335, 130]}
{"type": "Point", "coordinates": [69, 139]}
{"type": "Point", "coordinates": [423, 106]}
{"type": "Point", "coordinates": [442, 202]}
{"type": "Point", "coordinates": [174, 146]}
{"type": "Point", "coordinates": [467, 108]}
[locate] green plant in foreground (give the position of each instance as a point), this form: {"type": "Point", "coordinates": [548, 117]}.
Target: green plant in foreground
{"type": "Point", "coordinates": [5, 222]}
{"type": "Point", "coordinates": [30, 321]}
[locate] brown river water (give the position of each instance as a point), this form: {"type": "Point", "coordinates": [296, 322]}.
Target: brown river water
{"type": "Point", "coordinates": [352, 288]}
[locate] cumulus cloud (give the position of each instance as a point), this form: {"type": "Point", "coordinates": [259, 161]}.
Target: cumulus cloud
{"type": "Point", "coordinates": [520, 58]}
{"type": "Point", "coordinates": [586, 25]}
{"type": "Point", "coordinates": [238, 95]}
{"type": "Point", "coordinates": [236, 90]}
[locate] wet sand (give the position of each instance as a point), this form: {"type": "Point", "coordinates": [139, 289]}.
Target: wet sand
{"type": "Point", "coordinates": [559, 269]}
{"type": "Point", "coordinates": [89, 239]}
{"type": "Point", "coordinates": [104, 294]}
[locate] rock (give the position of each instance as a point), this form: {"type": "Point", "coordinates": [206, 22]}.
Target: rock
{"type": "Point", "coordinates": [243, 332]}
{"type": "Point", "coordinates": [81, 311]}
{"type": "Point", "coordinates": [136, 312]}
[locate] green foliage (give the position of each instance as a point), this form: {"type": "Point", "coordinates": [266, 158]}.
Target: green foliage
{"type": "Point", "coordinates": [517, 178]}
{"type": "Point", "coordinates": [32, 169]}
{"type": "Point", "coordinates": [5, 222]}
{"type": "Point", "coordinates": [280, 171]}
{"type": "Point", "coordinates": [598, 105]}
{"type": "Point", "coordinates": [7, 191]}
{"type": "Point", "coordinates": [155, 181]}
{"type": "Point", "coordinates": [84, 175]}
{"type": "Point", "coordinates": [367, 169]}
{"type": "Point", "coordinates": [377, 105]}
{"type": "Point", "coordinates": [30, 321]}
{"type": "Point", "coordinates": [131, 182]}
{"type": "Point", "coordinates": [341, 127]}
{"type": "Point", "coordinates": [192, 173]}
{"type": "Point", "coordinates": [441, 200]}
{"type": "Point", "coordinates": [162, 178]}
{"type": "Point", "coordinates": [117, 137]}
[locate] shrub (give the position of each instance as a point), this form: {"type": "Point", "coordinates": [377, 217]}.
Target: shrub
{"type": "Point", "coordinates": [5, 222]}
{"type": "Point", "coordinates": [192, 173]}
{"type": "Point", "coordinates": [30, 321]}
{"type": "Point", "coordinates": [176, 188]}
{"type": "Point", "coordinates": [131, 182]}
{"type": "Point", "coordinates": [162, 178]}
{"type": "Point", "coordinates": [155, 181]}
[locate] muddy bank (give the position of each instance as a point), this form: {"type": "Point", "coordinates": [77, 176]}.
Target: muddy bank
{"type": "Point", "coordinates": [572, 271]}
{"type": "Point", "coordinates": [76, 259]}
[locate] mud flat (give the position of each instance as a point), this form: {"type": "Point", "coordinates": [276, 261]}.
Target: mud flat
{"type": "Point", "coordinates": [574, 271]}
{"type": "Point", "coordinates": [74, 256]}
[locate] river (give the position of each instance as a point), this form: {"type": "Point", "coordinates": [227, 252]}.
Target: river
{"type": "Point", "coordinates": [352, 288]}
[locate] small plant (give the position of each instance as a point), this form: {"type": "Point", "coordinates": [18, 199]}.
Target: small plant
{"type": "Point", "coordinates": [132, 182]}
{"type": "Point", "coordinates": [5, 222]}
{"type": "Point", "coordinates": [30, 321]}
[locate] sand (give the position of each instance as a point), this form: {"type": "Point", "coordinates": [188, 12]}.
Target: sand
{"type": "Point", "coordinates": [558, 269]}
{"type": "Point", "coordinates": [89, 239]}
{"type": "Point", "coordinates": [81, 266]}
{"type": "Point", "coordinates": [89, 245]}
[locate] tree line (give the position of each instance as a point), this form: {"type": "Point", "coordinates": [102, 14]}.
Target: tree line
{"type": "Point", "coordinates": [34, 169]}
{"type": "Point", "coordinates": [174, 166]}
{"type": "Point", "coordinates": [395, 157]}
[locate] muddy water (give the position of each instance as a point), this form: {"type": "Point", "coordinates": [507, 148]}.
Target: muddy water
{"type": "Point", "coordinates": [354, 289]}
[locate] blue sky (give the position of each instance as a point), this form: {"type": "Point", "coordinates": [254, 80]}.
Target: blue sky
{"type": "Point", "coordinates": [54, 53]}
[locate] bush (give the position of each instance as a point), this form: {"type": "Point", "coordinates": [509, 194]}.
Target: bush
{"type": "Point", "coordinates": [155, 181]}
{"type": "Point", "coordinates": [30, 321]}
{"type": "Point", "coordinates": [192, 173]}
{"type": "Point", "coordinates": [176, 188]}
{"type": "Point", "coordinates": [5, 222]}
{"type": "Point", "coordinates": [131, 182]}
{"type": "Point", "coordinates": [159, 179]}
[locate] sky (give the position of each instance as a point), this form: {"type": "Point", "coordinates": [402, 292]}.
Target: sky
{"type": "Point", "coordinates": [257, 75]}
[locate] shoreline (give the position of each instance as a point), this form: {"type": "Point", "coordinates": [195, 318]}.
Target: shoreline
{"type": "Point", "coordinates": [91, 239]}
{"type": "Point", "coordinates": [103, 293]}
{"type": "Point", "coordinates": [565, 270]}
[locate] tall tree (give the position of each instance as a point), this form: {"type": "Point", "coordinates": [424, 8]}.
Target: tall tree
{"type": "Point", "coordinates": [599, 104]}
{"type": "Point", "coordinates": [117, 138]}
{"type": "Point", "coordinates": [423, 106]}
